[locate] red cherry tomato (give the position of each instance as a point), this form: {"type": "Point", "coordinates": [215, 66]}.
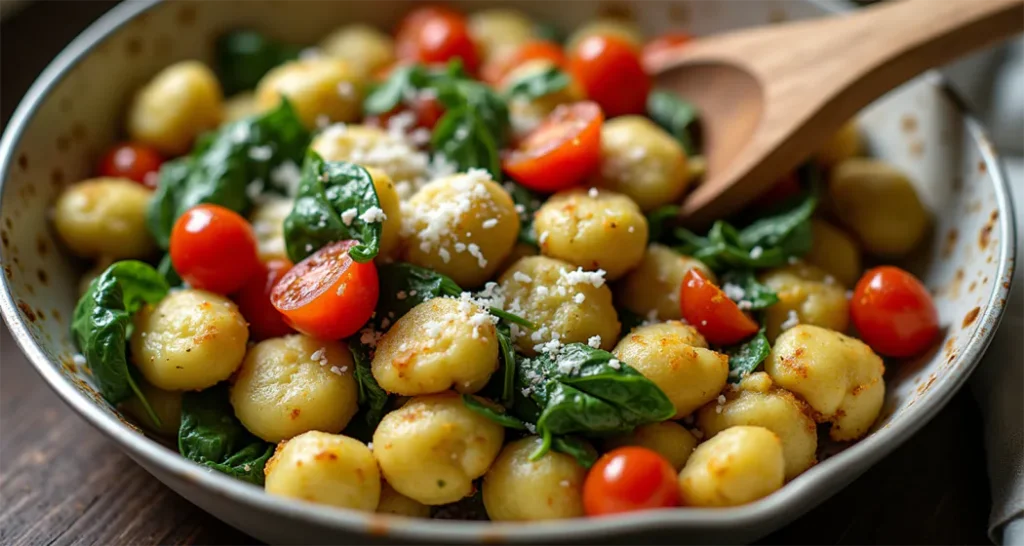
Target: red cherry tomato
{"type": "Point", "coordinates": [427, 111]}
{"type": "Point", "coordinates": [254, 301]}
{"type": "Point", "coordinates": [894, 313]}
{"type": "Point", "coordinates": [213, 248]}
{"type": "Point", "coordinates": [610, 72]}
{"type": "Point", "coordinates": [628, 479]}
{"type": "Point", "coordinates": [664, 43]}
{"type": "Point", "coordinates": [137, 162]}
{"type": "Point", "coordinates": [495, 69]}
{"type": "Point", "coordinates": [328, 295]}
{"type": "Point", "coordinates": [434, 34]}
{"type": "Point", "coordinates": [711, 312]}
{"type": "Point", "coordinates": [561, 152]}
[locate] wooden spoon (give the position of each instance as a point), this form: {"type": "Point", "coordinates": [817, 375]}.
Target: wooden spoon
{"type": "Point", "coordinates": [771, 96]}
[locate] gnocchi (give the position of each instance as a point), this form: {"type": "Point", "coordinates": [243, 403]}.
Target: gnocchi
{"type": "Point", "coordinates": [652, 288]}
{"type": "Point", "coordinates": [517, 488]}
{"type": "Point", "coordinates": [104, 217]}
{"type": "Point", "coordinates": [178, 104]}
{"type": "Point", "coordinates": [741, 464]}
{"type": "Point", "coordinates": [321, 86]}
{"type": "Point", "coordinates": [642, 161]}
{"type": "Point", "coordinates": [807, 295]}
{"type": "Point", "coordinates": [327, 469]}
{"type": "Point", "coordinates": [366, 49]}
{"type": "Point", "coordinates": [667, 438]}
{"type": "Point", "coordinates": [499, 31]}
{"type": "Point", "coordinates": [394, 503]}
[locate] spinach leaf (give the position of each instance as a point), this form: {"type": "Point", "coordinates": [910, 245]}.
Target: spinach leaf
{"type": "Point", "coordinates": [211, 435]}
{"type": "Point", "coordinates": [508, 363]}
{"type": "Point", "coordinates": [462, 138]}
{"type": "Point", "coordinates": [629, 320]}
{"type": "Point", "coordinates": [658, 221]}
{"type": "Point", "coordinates": [101, 323]}
{"type": "Point", "coordinates": [372, 398]}
{"type": "Point", "coordinates": [539, 84]}
{"type": "Point", "coordinates": [491, 412]}
{"type": "Point", "coordinates": [545, 30]}
{"type": "Point", "coordinates": [404, 286]}
{"type": "Point", "coordinates": [741, 286]}
{"type": "Point", "coordinates": [223, 164]}
{"type": "Point", "coordinates": [747, 356]}
{"type": "Point", "coordinates": [676, 116]}
{"type": "Point", "coordinates": [244, 56]}
{"type": "Point", "coordinates": [576, 447]}
{"type": "Point", "coordinates": [166, 269]}
{"type": "Point", "coordinates": [406, 81]}
{"type": "Point", "coordinates": [527, 203]}
{"type": "Point", "coordinates": [335, 202]}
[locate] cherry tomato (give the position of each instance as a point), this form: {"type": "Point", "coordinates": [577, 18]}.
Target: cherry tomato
{"type": "Point", "coordinates": [254, 301]}
{"type": "Point", "coordinates": [893, 312]}
{"type": "Point", "coordinates": [328, 295]}
{"type": "Point", "coordinates": [427, 111]}
{"type": "Point", "coordinates": [434, 34]}
{"type": "Point", "coordinates": [711, 312]}
{"type": "Point", "coordinates": [610, 72]}
{"type": "Point", "coordinates": [134, 161]}
{"type": "Point", "coordinates": [628, 479]}
{"type": "Point", "coordinates": [213, 248]}
{"type": "Point", "coordinates": [561, 152]}
{"type": "Point", "coordinates": [664, 43]}
{"type": "Point", "coordinates": [495, 69]}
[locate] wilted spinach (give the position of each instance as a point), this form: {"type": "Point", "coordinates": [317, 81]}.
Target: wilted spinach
{"type": "Point", "coordinates": [332, 201]}
{"type": "Point", "coordinates": [491, 412]}
{"type": "Point", "coordinates": [678, 117]}
{"type": "Point", "coordinates": [372, 398]}
{"type": "Point", "coordinates": [101, 325]}
{"type": "Point", "coordinates": [527, 203]}
{"type": "Point", "coordinates": [224, 163]}
{"type": "Point", "coordinates": [211, 435]}
{"type": "Point", "coordinates": [755, 297]}
{"type": "Point", "coordinates": [166, 268]}
{"type": "Point", "coordinates": [404, 286]}
{"type": "Point", "coordinates": [539, 84]}
{"type": "Point", "coordinates": [747, 356]}
{"type": "Point", "coordinates": [244, 56]}
{"type": "Point", "coordinates": [575, 447]}
{"type": "Point", "coordinates": [659, 221]}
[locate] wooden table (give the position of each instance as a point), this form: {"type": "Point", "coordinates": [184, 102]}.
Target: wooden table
{"type": "Point", "coordinates": [62, 482]}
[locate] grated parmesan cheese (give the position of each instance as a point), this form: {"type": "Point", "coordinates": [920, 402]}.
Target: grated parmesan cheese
{"type": "Point", "coordinates": [792, 319]}
{"type": "Point", "coordinates": [756, 252]}
{"type": "Point", "coordinates": [348, 215]}
{"type": "Point", "coordinates": [373, 215]}
{"type": "Point", "coordinates": [615, 364]}
{"type": "Point", "coordinates": [594, 341]}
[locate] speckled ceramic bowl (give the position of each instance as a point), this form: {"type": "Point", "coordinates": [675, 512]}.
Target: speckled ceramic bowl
{"type": "Point", "coordinates": [75, 110]}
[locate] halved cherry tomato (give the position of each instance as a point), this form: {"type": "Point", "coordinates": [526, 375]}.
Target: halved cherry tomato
{"type": "Point", "coordinates": [664, 43]}
{"type": "Point", "coordinates": [428, 111]}
{"type": "Point", "coordinates": [628, 479]}
{"type": "Point", "coordinates": [134, 161]}
{"type": "Point", "coordinates": [328, 295]}
{"type": "Point", "coordinates": [213, 248]}
{"type": "Point", "coordinates": [253, 301]}
{"type": "Point", "coordinates": [711, 312]}
{"type": "Point", "coordinates": [893, 312]}
{"type": "Point", "coordinates": [495, 69]}
{"type": "Point", "coordinates": [610, 72]}
{"type": "Point", "coordinates": [434, 34]}
{"type": "Point", "coordinates": [561, 152]}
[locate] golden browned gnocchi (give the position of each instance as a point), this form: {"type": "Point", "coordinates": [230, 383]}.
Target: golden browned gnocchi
{"type": "Point", "coordinates": [642, 161]}
{"type": "Point", "coordinates": [104, 217]}
{"type": "Point", "coordinates": [807, 295]}
{"type": "Point", "coordinates": [518, 489]}
{"type": "Point", "coordinates": [759, 403]}
{"type": "Point", "coordinates": [499, 31]}
{"type": "Point", "coordinates": [394, 503]}
{"type": "Point", "coordinates": [373, 147]}
{"type": "Point", "coordinates": [675, 357]}
{"type": "Point", "coordinates": [267, 221]}
{"type": "Point", "coordinates": [652, 288]}
{"type": "Point", "coordinates": [667, 438]}
{"type": "Point", "coordinates": [739, 465]}
{"type": "Point", "coordinates": [462, 225]}
{"type": "Point", "coordinates": [607, 26]}
{"type": "Point", "coordinates": [440, 344]}
{"type": "Point", "coordinates": [364, 48]}
{"type": "Point", "coordinates": [432, 448]}
{"type": "Point", "coordinates": [240, 106]}
{"type": "Point", "coordinates": [835, 252]}
{"type": "Point", "coordinates": [178, 104]}
{"type": "Point", "coordinates": [190, 340]}
{"type": "Point", "coordinates": [327, 469]}
{"type": "Point", "coordinates": [389, 203]}
{"type": "Point", "coordinates": [592, 229]}
{"type": "Point", "coordinates": [571, 304]}
{"type": "Point", "coordinates": [879, 205]}
{"type": "Point", "coordinates": [294, 384]}
{"type": "Point", "coordinates": [165, 404]}
{"type": "Point", "coordinates": [321, 87]}
{"type": "Point", "coordinates": [840, 377]}
{"type": "Point", "coordinates": [843, 145]}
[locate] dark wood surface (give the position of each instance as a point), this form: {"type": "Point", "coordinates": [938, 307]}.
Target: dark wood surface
{"type": "Point", "coordinates": [62, 482]}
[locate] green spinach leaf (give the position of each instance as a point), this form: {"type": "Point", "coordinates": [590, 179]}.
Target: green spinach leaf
{"type": "Point", "coordinates": [166, 268]}
{"type": "Point", "coordinates": [741, 286]}
{"type": "Point", "coordinates": [245, 56]}
{"type": "Point", "coordinates": [101, 324]}
{"type": "Point", "coordinates": [678, 117]}
{"type": "Point", "coordinates": [527, 204]}
{"type": "Point", "coordinates": [224, 164]}
{"type": "Point", "coordinates": [659, 220]}
{"type": "Point", "coordinates": [372, 398]}
{"type": "Point", "coordinates": [336, 201]}
{"type": "Point", "coordinates": [406, 81]}
{"type": "Point", "coordinates": [462, 137]}
{"type": "Point", "coordinates": [747, 356]}
{"type": "Point", "coordinates": [536, 85]}
{"type": "Point", "coordinates": [577, 448]}
{"type": "Point", "coordinates": [545, 30]}
{"type": "Point", "coordinates": [404, 286]}
{"type": "Point", "coordinates": [211, 435]}
{"type": "Point", "coordinates": [491, 412]}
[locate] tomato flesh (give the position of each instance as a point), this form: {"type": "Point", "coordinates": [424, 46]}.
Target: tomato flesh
{"type": "Point", "coordinates": [253, 301]}
{"type": "Point", "coordinates": [434, 34]}
{"type": "Point", "coordinates": [213, 248]}
{"type": "Point", "coordinates": [711, 312]}
{"type": "Point", "coordinates": [427, 111]}
{"type": "Point", "coordinates": [610, 72]}
{"type": "Point", "coordinates": [134, 161]}
{"type": "Point", "coordinates": [894, 313]}
{"type": "Point", "coordinates": [328, 295]}
{"type": "Point", "coordinates": [495, 70]}
{"type": "Point", "coordinates": [629, 479]}
{"type": "Point", "coordinates": [561, 152]}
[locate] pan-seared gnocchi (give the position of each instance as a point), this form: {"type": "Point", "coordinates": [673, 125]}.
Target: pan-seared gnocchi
{"type": "Point", "coordinates": [104, 217]}
{"type": "Point", "coordinates": [642, 161]}
{"type": "Point", "coordinates": [178, 104]}
{"type": "Point", "coordinates": [807, 295]}
{"type": "Point", "coordinates": [499, 31]}
{"type": "Point", "coordinates": [667, 438]}
{"type": "Point", "coordinates": [373, 147]}
{"type": "Point", "coordinates": [394, 503]}
{"type": "Point", "coordinates": [319, 87]}
{"type": "Point", "coordinates": [834, 252]}
{"type": "Point", "coordinates": [653, 286]}
{"type": "Point", "coordinates": [325, 468]}
{"type": "Point", "coordinates": [365, 48]}
{"type": "Point", "coordinates": [519, 488]}
{"type": "Point", "coordinates": [267, 221]}
{"type": "Point", "coordinates": [741, 464]}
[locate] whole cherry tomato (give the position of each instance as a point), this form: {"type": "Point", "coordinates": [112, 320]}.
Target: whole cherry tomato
{"type": "Point", "coordinates": [664, 43]}
{"type": "Point", "coordinates": [711, 312]}
{"type": "Point", "coordinates": [253, 301]}
{"type": "Point", "coordinates": [213, 248]}
{"type": "Point", "coordinates": [328, 295]}
{"type": "Point", "coordinates": [433, 34]}
{"type": "Point", "coordinates": [610, 72]}
{"type": "Point", "coordinates": [495, 69]}
{"type": "Point", "coordinates": [134, 161]}
{"type": "Point", "coordinates": [561, 152]}
{"type": "Point", "coordinates": [628, 479]}
{"type": "Point", "coordinates": [894, 313]}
